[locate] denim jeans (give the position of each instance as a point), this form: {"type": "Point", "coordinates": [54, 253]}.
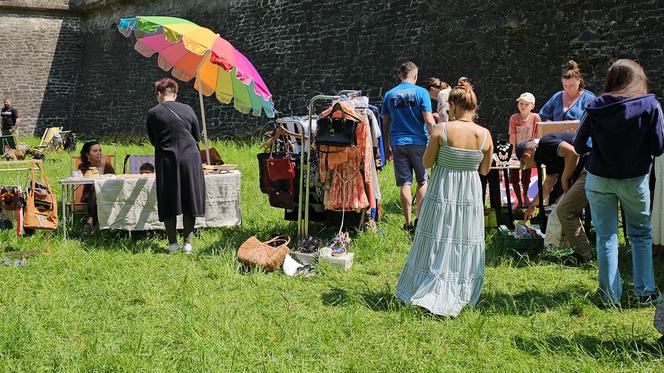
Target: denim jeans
{"type": "Point", "coordinates": [634, 195]}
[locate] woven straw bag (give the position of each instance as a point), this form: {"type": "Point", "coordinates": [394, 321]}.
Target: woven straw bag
{"type": "Point", "coordinates": [269, 254]}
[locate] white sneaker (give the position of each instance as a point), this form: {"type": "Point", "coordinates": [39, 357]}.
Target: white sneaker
{"type": "Point", "coordinates": [187, 248]}
{"type": "Point", "coordinates": [173, 247]}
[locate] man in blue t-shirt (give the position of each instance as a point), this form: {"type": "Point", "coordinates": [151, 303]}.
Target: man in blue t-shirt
{"type": "Point", "coordinates": [407, 122]}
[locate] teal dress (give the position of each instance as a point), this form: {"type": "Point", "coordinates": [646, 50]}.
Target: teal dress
{"type": "Point", "coordinates": [444, 271]}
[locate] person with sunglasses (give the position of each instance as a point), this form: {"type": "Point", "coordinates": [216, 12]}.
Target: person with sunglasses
{"type": "Point", "coordinates": [556, 152]}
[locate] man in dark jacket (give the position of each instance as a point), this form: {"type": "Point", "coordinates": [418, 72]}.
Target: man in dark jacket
{"type": "Point", "coordinates": [10, 117]}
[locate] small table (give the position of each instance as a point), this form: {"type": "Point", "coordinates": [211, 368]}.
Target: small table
{"type": "Point", "coordinates": [513, 165]}
{"type": "Point", "coordinates": [68, 187]}
{"type": "Point", "coordinates": [129, 202]}
{"type": "Point", "coordinates": [496, 203]}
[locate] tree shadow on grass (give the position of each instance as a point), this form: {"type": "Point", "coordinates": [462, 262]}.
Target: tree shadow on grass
{"type": "Point", "coordinates": [531, 302]}
{"type": "Point", "coordinates": [623, 349]}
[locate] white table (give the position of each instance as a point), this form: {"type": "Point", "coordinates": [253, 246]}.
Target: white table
{"type": "Point", "coordinates": [130, 203]}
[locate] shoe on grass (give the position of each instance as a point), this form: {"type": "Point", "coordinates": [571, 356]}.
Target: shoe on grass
{"type": "Point", "coordinates": [187, 248]}
{"type": "Point", "coordinates": [173, 247]}
{"type": "Point", "coordinates": [88, 229]}
{"type": "Point", "coordinates": [648, 300]}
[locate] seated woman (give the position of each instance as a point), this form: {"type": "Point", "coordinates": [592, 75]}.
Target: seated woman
{"type": "Point", "coordinates": [93, 163]}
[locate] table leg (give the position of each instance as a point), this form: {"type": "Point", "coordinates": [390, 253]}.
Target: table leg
{"type": "Point", "coordinates": [65, 194]}
{"type": "Point", "coordinates": [506, 177]}
{"type": "Point", "coordinates": [494, 194]}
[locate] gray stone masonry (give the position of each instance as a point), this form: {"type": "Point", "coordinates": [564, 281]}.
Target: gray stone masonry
{"type": "Point", "coordinates": [77, 69]}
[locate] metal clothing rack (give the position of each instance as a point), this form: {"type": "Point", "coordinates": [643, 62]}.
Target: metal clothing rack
{"type": "Point", "coordinates": [305, 169]}
{"type": "Point", "coordinates": [19, 166]}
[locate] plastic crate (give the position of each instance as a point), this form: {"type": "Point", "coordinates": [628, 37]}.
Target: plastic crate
{"type": "Point", "coordinates": [507, 240]}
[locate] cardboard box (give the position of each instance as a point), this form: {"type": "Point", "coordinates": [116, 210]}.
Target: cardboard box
{"type": "Point", "coordinates": [344, 261]}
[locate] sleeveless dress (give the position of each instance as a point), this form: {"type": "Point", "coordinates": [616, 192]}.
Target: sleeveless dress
{"type": "Point", "coordinates": [444, 271]}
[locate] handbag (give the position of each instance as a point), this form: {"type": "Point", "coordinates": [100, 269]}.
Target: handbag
{"type": "Point", "coordinates": [268, 255]}
{"type": "Point", "coordinates": [41, 208]}
{"type": "Point", "coordinates": [337, 131]}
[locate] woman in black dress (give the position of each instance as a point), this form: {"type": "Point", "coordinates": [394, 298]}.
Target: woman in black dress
{"type": "Point", "coordinates": [174, 132]}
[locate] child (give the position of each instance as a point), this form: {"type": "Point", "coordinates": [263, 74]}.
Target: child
{"type": "Point", "coordinates": [146, 168]}
{"type": "Point", "coordinates": [523, 127]}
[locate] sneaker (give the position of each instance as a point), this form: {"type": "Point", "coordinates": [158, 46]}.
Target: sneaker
{"type": "Point", "coordinates": [575, 258]}
{"type": "Point", "coordinates": [88, 229]}
{"type": "Point", "coordinates": [410, 228]}
{"type": "Point", "coordinates": [173, 247]}
{"type": "Point", "coordinates": [187, 248]}
{"type": "Point", "coordinates": [648, 300]}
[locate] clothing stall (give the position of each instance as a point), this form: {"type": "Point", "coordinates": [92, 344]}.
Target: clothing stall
{"type": "Point", "coordinates": [335, 154]}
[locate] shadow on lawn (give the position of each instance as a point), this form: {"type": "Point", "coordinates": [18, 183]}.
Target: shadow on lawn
{"type": "Point", "coordinates": [624, 349]}
{"type": "Point", "coordinates": [528, 302]}
{"type": "Point", "coordinates": [379, 301]}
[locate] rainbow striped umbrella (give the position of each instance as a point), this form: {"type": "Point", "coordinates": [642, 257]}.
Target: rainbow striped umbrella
{"type": "Point", "coordinates": [190, 51]}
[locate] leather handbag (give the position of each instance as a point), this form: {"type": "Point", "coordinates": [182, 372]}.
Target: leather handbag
{"type": "Point", "coordinates": [337, 131]}
{"type": "Point", "coordinates": [268, 255]}
{"type": "Point", "coordinates": [41, 207]}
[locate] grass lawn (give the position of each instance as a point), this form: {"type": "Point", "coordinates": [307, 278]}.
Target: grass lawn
{"type": "Point", "coordinates": [111, 303]}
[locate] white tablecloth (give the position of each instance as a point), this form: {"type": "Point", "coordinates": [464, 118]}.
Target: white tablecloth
{"type": "Point", "coordinates": [131, 203]}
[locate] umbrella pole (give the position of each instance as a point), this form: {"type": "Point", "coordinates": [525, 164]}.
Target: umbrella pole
{"type": "Point", "coordinates": [205, 138]}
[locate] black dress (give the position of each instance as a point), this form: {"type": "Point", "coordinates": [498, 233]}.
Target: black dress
{"type": "Point", "coordinates": [178, 166]}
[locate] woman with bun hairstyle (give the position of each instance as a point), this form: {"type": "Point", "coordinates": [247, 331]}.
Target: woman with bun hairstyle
{"type": "Point", "coordinates": [625, 125]}
{"type": "Point", "coordinates": [444, 271]}
{"type": "Point", "coordinates": [569, 103]}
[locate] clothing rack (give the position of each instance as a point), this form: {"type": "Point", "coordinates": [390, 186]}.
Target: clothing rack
{"type": "Point", "coordinates": [303, 216]}
{"type": "Point", "coordinates": [18, 166]}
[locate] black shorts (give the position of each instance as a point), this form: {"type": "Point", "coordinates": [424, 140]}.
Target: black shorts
{"type": "Point", "coordinates": [408, 158]}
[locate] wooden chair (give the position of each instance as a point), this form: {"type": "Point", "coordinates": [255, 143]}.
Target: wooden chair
{"type": "Point", "coordinates": [76, 205]}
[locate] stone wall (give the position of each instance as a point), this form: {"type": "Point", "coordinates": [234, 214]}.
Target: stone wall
{"type": "Point", "coordinates": [306, 47]}
{"type": "Point", "coordinates": [38, 66]}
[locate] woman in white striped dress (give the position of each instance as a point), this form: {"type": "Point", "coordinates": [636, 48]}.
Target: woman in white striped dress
{"type": "Point", "coordinates": [445, 266]}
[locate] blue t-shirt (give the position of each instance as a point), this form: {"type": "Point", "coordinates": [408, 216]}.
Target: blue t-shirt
{"type": "Point", "coordinates": [553, 109]}
{"type": "Point", "coordinates": [404, 105]}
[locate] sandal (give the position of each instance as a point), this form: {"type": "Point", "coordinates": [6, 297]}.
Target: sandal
{"type": "Point", "coordinates": [88, 229]}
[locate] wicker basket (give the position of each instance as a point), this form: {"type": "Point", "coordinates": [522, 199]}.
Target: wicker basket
{"type": "Point", "coordinates": [269, 255]}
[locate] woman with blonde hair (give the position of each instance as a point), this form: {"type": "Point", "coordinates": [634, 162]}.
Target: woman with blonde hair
{"type": "Point", "coordinates": [444, 271]}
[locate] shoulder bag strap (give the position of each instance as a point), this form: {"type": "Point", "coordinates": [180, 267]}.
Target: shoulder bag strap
{"type": "Point", "coordinates": [176, 114]}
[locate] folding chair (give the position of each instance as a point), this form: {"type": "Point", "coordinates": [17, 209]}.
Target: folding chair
{"type": "Point", "coordinates": [135, 161]}
{"type": "Point", "coordinates": [51, 138]}
{"type": "Point", "coordinates": [76, 205]}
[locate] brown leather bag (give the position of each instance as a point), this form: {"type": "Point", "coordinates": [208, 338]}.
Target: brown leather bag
{"type": "Point", "coordinates": [41, 206]}
{"type": "Point", "coordinates": [215, 158]}
{"type": "Point", "coordinates": [269, 255]}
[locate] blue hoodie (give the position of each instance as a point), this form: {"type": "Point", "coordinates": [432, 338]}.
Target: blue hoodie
{"type": "Point", "coordinates": [626, 133]}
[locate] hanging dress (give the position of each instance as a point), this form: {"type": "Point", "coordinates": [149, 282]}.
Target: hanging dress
{"type": "Point", "coordinates": [658, 206]}
{"type": "Point", "coordinates": [445, 266]}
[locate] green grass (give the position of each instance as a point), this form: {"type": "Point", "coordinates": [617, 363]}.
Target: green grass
{"type": "Point", "coordinates": [110, 303]}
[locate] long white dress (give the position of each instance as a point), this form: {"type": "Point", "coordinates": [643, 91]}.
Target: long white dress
{"type": "Point", "coordinates": [444, 271]}
{"type": "Point", "coordinates": [658, 203]}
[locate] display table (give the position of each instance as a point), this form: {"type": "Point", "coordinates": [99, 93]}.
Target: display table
{"type": "Point", "coordinates": [494, 191]}
{"type": "Point", "coordinates": [130, 202]}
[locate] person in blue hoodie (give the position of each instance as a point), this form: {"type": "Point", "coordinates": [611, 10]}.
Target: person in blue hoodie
{"type": "Point", "coordinates": [625, 126]}
{"type": "Point", "coordinates": [569, 103]}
